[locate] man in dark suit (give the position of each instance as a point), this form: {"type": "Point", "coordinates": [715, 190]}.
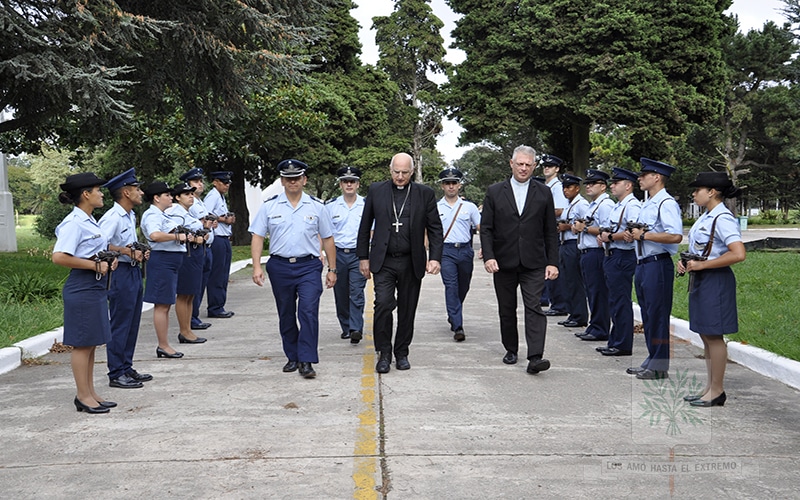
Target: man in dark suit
{"type": "Point", "coordinates": [402, 213]}
{"type": "Point", "coordinates": [520, 248]}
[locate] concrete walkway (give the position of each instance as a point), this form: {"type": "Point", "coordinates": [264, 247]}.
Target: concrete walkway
{"type": "Point", "coordinates": [225, 422]}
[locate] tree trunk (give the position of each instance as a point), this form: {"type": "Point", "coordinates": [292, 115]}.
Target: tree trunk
{"type": "Point", "coordinates": [580, 147]}
{"type": "Point", "coordinates": [237, 203]}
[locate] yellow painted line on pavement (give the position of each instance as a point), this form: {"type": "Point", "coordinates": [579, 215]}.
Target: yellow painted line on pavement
{"type": "Point", "coordinates": [365, 467]}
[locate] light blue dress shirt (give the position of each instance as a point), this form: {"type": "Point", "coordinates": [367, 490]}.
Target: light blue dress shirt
{"type": "Point", "coordinates": [468, 219]}
{"type": "Point", "coordinates": [155, 220]}
{"type": "Point", "coordinates": [345, 220]}
{"type": "Point", "coordinates": [216, 204]}
{"type": "Point", "coordinates": [662, 214]}
{"type": "Point", "coordinates": [119, 227]}
{"type": "Point", "coordinates": [726, 231]}
{"type": "Point", "coordinates": [293, 231]}
{"type": "Point", "coordinates": [79, 235]}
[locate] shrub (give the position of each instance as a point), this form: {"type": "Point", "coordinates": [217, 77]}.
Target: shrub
{"type": "Point", "coordinates": [26, 289]}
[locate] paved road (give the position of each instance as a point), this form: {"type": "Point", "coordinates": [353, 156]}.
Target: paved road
{"type": "Point", "coordinates": [225, 422]}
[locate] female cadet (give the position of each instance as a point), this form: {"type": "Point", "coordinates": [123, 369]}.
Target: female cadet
{"type": "Point", "coordinates": [166, 257]}
{"type": "Point", "coordinates": [715, 236]}
{"type": "Point", "coordinates": [190, 275]}
{"type": "Point", "coordinates": [86, 323]}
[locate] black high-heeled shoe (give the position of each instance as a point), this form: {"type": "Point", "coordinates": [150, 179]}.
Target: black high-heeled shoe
{"type": "Point", "coordinates": [161, 353]}
{"type": "Point", "coordinates": [184, 340]}
{"type": "Point", "coordinates": [88, 409]}
{"type": "Point", "coordinates": [108, 404]}
{"type": "Point", "coordinates": [692, 397]}
{"type": "Point", "coordinates": [717, 401]}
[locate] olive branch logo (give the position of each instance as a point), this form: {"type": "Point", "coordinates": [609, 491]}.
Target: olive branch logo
{"type": "Point", "coordinates": [664, 401]}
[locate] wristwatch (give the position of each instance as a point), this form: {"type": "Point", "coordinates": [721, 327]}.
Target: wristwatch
{"type": "Point", "coordinates": [334, 271]}
{"type": "Point", "coordinates": [641, 236]}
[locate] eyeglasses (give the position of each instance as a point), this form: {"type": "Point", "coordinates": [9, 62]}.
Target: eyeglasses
{"type": "Point", "coordinates": [401, 173]}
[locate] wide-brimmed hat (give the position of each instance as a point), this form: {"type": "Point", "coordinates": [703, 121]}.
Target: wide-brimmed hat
{"type": "Point", "coordinates": [157, 187]}
{"type": "Point", "coordinates": [716, 180]}
{"type": "Point", "coordinates": [181, 188]}
{"type": "Point", "coordinates": [82, 180]}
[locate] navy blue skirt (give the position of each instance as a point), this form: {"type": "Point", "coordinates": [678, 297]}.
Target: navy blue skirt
{"type": "Point", "coordinates": [712, 302]}
{"type": "Point", "coordinates": [86, 321]}
{"type": "Point", "coordinates": [190, 275]}
{"type": "Point", "coordinates": [162, 277]}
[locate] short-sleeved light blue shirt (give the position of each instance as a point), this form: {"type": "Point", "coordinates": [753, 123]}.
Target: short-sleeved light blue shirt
{"type": "Point", "coordinates": [293, 231]}
{"type": "Point", "coordinates": [626, 209]}
{"type": "Point", "coordinates": [119, 228]}
{"type": "Point", "coordinates": [155, 220]}
{"type": "Point", "coordinates": [216, 204]}
{"type": "Point", "coordinates": [79, 235]}
{"type": "Point", "coordinates": [198, 210]}
{"type": "Point", "coordinates": [468, 219]}
{"type": "Point", "coordinates": [598, 210]}
{"type": "Point", "coordinates": [726, 231]}
{"type": "Point", "coordinates": [345, 220]}
{"type": "Point", "coordinates": [662, 214]}
{"type": "Point", "coordinates": [559, 200]}
{"type": "Point", "coordinates": [576, 210]}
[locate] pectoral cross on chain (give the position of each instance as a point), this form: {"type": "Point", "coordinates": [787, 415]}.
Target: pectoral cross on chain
{"type": "Point", "coordinates": [397, 225]}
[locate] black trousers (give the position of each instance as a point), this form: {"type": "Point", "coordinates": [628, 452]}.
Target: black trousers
{"type": "Point", "coordinates": [396, 275]}
{"type": "Point", "coordinates": [531, 282]}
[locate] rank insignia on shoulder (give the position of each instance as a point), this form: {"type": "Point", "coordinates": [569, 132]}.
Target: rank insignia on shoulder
{"type": "Point", "coordinates": [271, 198]}
{"type": "Point", "coordinates": [316, 199]}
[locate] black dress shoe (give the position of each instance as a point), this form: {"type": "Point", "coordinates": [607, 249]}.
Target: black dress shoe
{"type": "Point", "coordinates": [634, 370]}
{"type": "Point", "coordinates": [602, 348]}
{"type": "Point", "coordinates": [306, 371]}
{"type": "Point", "coordinates": [108, 404]}
{"type": "Point", "coordinates": [572, 324]}
{"type": "Point", "coordinates": [125, 382]}
{"type": "Point", "coordinates": [184, 340]}
{"type": "Point", "coordinates": [223, 314]}
{"type": "Point", "coordinates": [510, 358]}
{"type": "Point", "coordinates": [459, 335]}
{"type": "Point", "coordinates": [537, 365]}
{"type": "Point", "coordinates": [613, 351]}
{"type": "Point", "coordinates": [355, 337]}
{"type": "Point", "coordinates": [345, 335]}
{"type": "Point", "coordinates": [555, 312]}
{"type": "Point", "coordinates": [652, 375]}
{"type": "Point", "coordinates": [581, 334]}
{"type": "Point", "coordinates": [161, 353]}
{"type": "Point", "coordinates": [561, 323]}
{"type": "Point", "coordinates": [717, 401]}
{"type": "Point", "coordinates": [290, 366]}
{"type": "Point", "coordinates": [88, 409]}
{"type": "Point", "coordinates": [592, 338]}
{"type": "Point", "coordinates": [141, 377]}
{"type": "Point", "coordinates": [384, 364]}
{"type": "Point", "coordinates": [402, 363]}
{"type": "Point", "coordinates": [200, 326]}
{"type": "Point", "coordinates": [692, 397]}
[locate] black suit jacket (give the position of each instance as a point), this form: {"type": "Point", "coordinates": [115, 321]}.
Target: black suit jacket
{"type": "Point", "coordinates": [530, 240]}
{"type": "Point", "coordinates": [423, 215]}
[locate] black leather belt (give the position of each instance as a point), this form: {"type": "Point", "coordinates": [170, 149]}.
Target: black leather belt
{"type": "Point", "coordinates": [346, 250]}
{"type": "Point", "coordinates": [587, 250]}
{"type": "Point", "coordinates": [612, 251]}
{"type": "Point", "coordinates": [223, 237]}
{"type": "Point", "coordinates": [565, 242]}
{"type": "Point", "coordinates": [456, 245]}
{"type": "Point", "coordinates": [293, 260]}
{"type": "Point", "coordinates": [654, 258]}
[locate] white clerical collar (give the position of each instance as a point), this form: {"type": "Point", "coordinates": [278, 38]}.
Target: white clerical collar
{"type": "Point", "coordinates": [520, 184]}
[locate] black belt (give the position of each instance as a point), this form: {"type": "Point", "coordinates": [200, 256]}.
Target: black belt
{"type": "Point", "coordinates": [654, 258]}
{"type": "Point", "coordinates": [346, 250]}
{"type": "Point", "coordinates": [223, 237]}
{"type": "Point", "coordinates": [612, 251]}
{"type": "Point", "coordinates": [456, 245]}
{"type": "Point", "coordinates": [293, 260]}
{"type": "Point", "coordinates": [587, 250]}
{"type": "Point", "coordinates": [569, 241]}
{"type": "Point", "coordinates": [398, 254]}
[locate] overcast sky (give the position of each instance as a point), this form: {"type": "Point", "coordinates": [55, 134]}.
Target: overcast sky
{"type": "Point", "coordinates": [752, 15]}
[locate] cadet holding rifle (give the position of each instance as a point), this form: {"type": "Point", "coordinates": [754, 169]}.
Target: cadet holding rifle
{"type": "Point", "coordinates": [86, 323]}
{"type": "Point", "coordinates": [125, 296]}
{"type": "Point", "coordinates": [166, 258]}
{"type": "Point", "coordinates": [715, 243]}
{"type": "Point", "coordinates": [190, 274]}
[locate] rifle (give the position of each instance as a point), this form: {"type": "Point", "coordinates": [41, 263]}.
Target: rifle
{"type": "Point", "coordinates": [105, 256]}
{"type": "Point", "coordinates": [606, 244]}
{"type": "Point", "coordinates": [630, 226]}
{"type": "Point", "coordinates": [144, 248]}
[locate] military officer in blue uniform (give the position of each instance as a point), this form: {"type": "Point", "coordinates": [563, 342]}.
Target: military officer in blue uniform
{"type": "Point", "coordinates": [295, 223]}
{"type": "Point", "coordinates": [587, 228]}
{"type": "Point", "coordinates": [345, 212]}
{"type": "Point", "coordinates": [460, 218]}
{"type": "Point", "coordinates": [655, 271]}
{"type": "Point", "coordinates": [553, 294]}
{"type": "Point", "coordinates": [86, 324]}
{"type": "Point", "coordinates": [198, 210]}
{"type": "Point", "coordinates": [619, 264]}
{"type": "Point", "coordinates": [217, 284]}
{"type": "Point", "coordinates": [569, 259]}
{"type": "Point", "coordinates": [125, 296]}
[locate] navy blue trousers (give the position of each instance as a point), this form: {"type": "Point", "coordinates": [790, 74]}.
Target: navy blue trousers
{"type": "Point", "coordinates": [125, 308]}
{"type": "Point", "coordinates": [217, 286]}
{"type": "Point", "coordinates": [198, 298]}
{"type": "Point", "coordinates": [619, 268]}
{"type": "Point", "coordinates": [297, 288]}
{"type": "Point", "coordinates": [654, 282]}
{"type": "Point", "coordinates": [348, 292]}
{"type": "Point", "coordinates": [569, 267]}
{"type": "Point", "coordinates": [596, 291]}
{"type": "Point", "coordinates": [457, 266]}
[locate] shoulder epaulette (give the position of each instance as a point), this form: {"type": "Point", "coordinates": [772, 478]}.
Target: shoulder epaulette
{"type": "Point", "coordinates": [271, 198]}
{"type": "Point", "coordinates": [316, 199]}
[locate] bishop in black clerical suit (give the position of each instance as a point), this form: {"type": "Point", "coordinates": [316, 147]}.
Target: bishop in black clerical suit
{"type": "Point", "coordinates": [402, 212]}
